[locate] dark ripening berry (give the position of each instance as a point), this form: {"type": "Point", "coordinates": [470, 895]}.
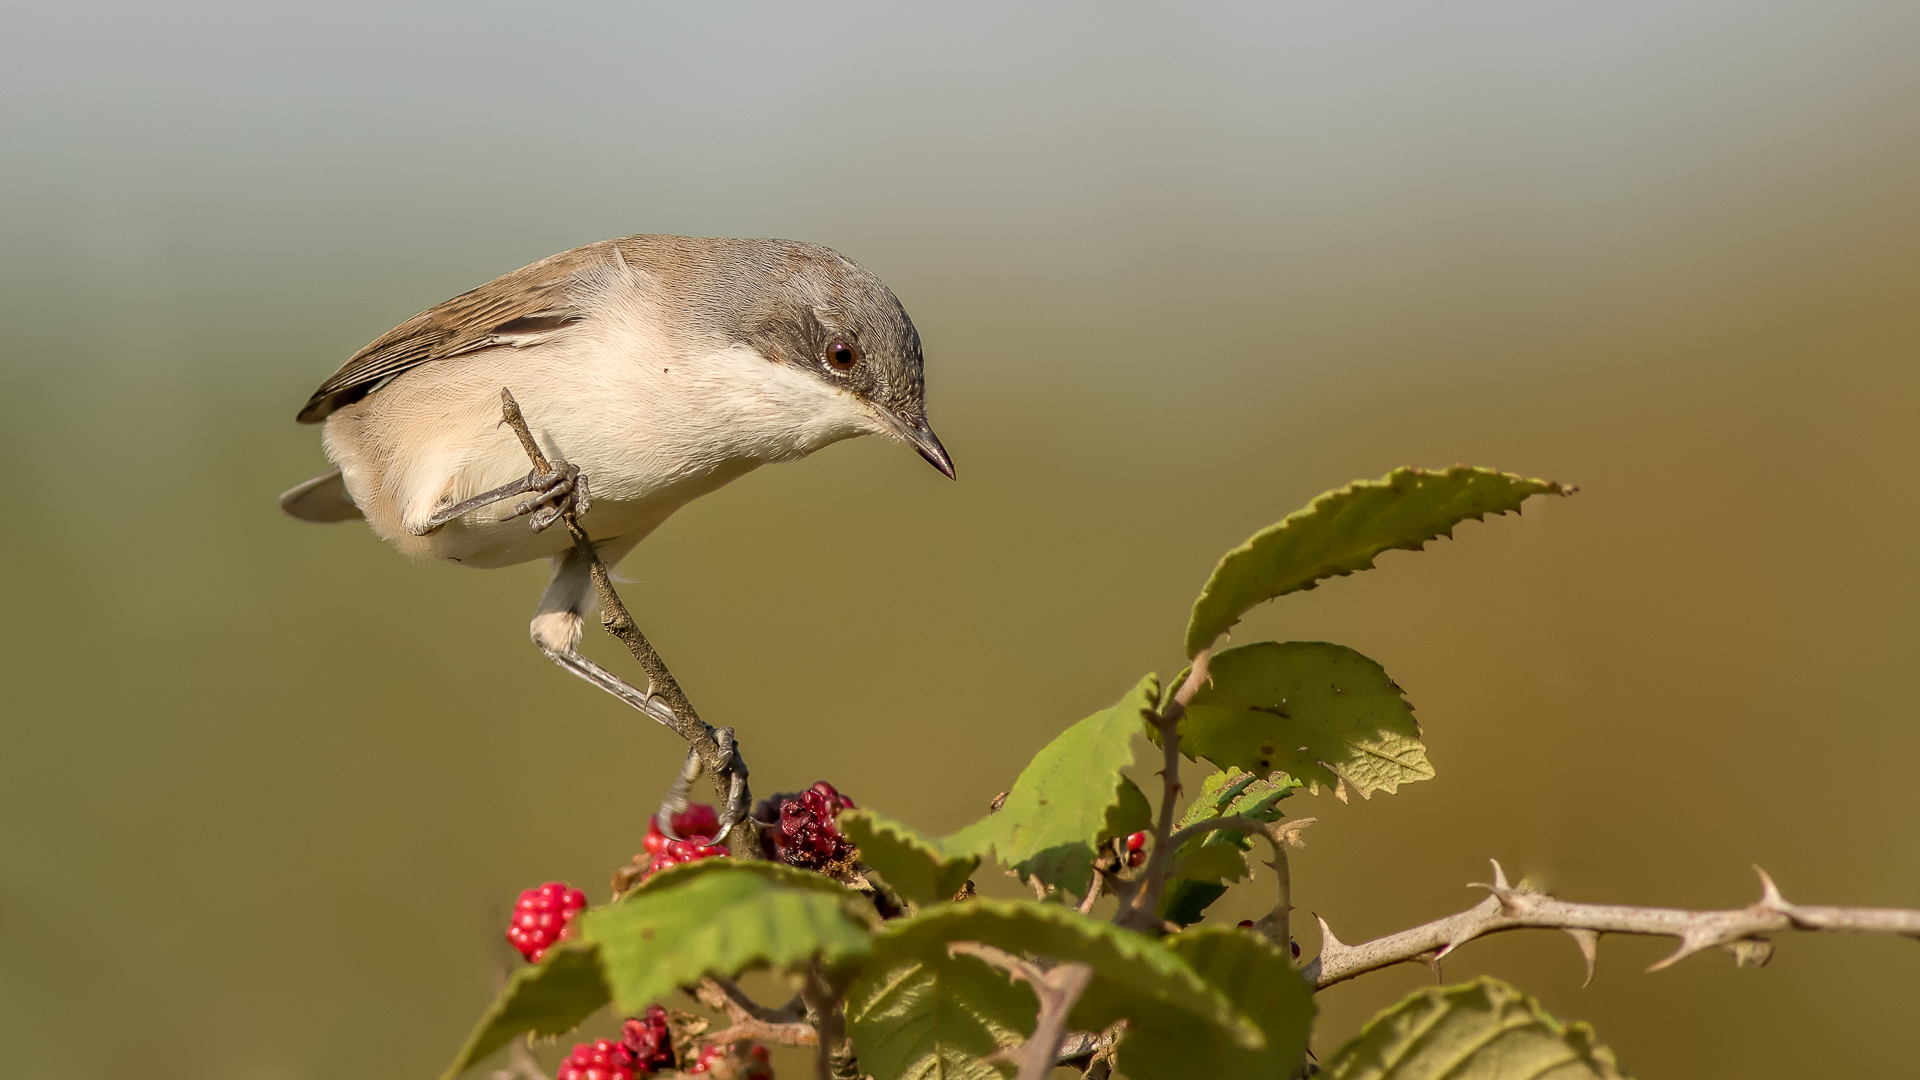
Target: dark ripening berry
{"type": "Point", "coordinates": [602, 1059]}
{"type": "Point", "coordinates": [543, 916]}
{"type": "Point", "coordinates": [800, 830]}
{"type": "Point", "coordinates": [648, 1041]}
{"type": "Point", "coordinates": [1136, 849]}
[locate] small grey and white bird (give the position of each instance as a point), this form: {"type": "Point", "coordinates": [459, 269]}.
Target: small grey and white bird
{"type": "Point", "coordinates": [656, 368]}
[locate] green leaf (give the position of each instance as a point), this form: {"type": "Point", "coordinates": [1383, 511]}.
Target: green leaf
{"type": "Point", "coordinates": [936, 1020]}
{"type": "Point", "coordinates": [550, 998]}
{"type": "Point", "coordinates": [1322, 713]}
{"type": "Point", "coordinates": [1234, 793]}
{"type": "Point", "coordinates": [915, 866]}
{"type": "Point", "coordinates": [1133, 975]}
{"type": "Point", "coordinates": [1059, 806]}
{"type": "Point", "coordinates": [1341, 532]}
{"type": "Point", "coordinates": [1132, 814]}
{"type": "Point", "coordinates": [1214, 862]}
{"type": "Point", "coordinates": [1208, 861]}
{"type": "Point", "coordinates": [1254, 975]}
{"type": "Point", "coordinates": [1482, 1030]}
{"type": "Point", "coordinates": [720, 917]}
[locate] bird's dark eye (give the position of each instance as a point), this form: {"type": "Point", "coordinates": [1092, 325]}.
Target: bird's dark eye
{"type": "Point", "coordinates": [842, 356]}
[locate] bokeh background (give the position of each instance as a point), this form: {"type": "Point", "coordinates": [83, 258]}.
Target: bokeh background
{"type": "Point", "coordinates": [267, 789]}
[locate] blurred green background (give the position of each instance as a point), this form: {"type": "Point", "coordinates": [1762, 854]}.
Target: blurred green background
{"type": "Point", "coordinates": [268, 789]}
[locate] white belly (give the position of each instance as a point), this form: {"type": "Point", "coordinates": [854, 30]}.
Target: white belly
{"type": "Point", "coordinates": [651, 431]}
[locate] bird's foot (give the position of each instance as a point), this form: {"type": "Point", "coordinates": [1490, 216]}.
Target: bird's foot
{"type": "Point", "coordinates": [733, 775]}
{"type": "Point", "coordinates": [560, 489]}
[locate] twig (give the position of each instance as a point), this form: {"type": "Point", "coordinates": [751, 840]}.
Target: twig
{"type": "Point", "coordinates": [1057, 988]}
{"type": "Point", "coordinates": [679, 712]}
{"type": "Point", "coordinates": [826, 1007]}
{"type": "Point", "coordinates": [751, 1020]}
{"type": "Point", "coordinates": [1737, 930]}
{"type": "Point", "coordinates": [1139, 908]}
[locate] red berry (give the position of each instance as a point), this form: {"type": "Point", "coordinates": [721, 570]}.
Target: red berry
{"type": "Point", "coordinates": [543, 916]}
{"type": "Point", "coordinates": [683, 851]}
{"type": "Point", "coordinates": [602, 1059]}
{"type": "Point", "coordinates": [1246, 924]}
{"type": "Point", "coordinates": [1136, 841]}
{"type": "Point", "coordinates": [697, 820]}
{"type": "Point", "coordinates": [648, 1041]}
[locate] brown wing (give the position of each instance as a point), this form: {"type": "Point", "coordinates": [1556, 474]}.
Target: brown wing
{"type": "Point", "coordinates": [511, 309]}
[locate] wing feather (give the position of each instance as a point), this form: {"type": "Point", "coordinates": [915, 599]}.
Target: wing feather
{"type": "Point", "coordinates": [519, 308]}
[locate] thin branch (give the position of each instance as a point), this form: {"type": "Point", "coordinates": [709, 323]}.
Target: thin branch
{"type": "Point", "coordinates": [678, 712]}
{"type": "Point", "coordinates": [751, 1020]}
{"type": "Point", "coordinates": [1280, 835]}
{"type": "Point", "coordinates": [826, 1006]}
{"type": "Point", "coordinates": [1140, 908]}
{"type": "Point", "coordinates": [1057, 988]}
{"type": "Point", "coordinates": [1737, 930]}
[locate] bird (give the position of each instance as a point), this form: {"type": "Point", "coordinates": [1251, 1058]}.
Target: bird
{"type": "Point", "coordinates": [650, 370]}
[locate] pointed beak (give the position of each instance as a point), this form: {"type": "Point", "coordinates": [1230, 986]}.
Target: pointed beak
{"type": "Point", "coordinates": [919, 435]}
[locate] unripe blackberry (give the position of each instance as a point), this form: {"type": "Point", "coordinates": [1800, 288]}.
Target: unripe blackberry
{"type": "Point", "coordinates": [682, 851]}
{"type": "Point", "coordinates": [543, 916]}
{"type": "Point", "coordinates": [800, 829]}
{"type": "Point", "coordinates": [755, 1064]}
{"type": "Point", "coordinates": [648, 1041]}
{"type": "Point", "coordinates": [602, 1059]}
{"type": "Point", "coordinates": [696, 822]}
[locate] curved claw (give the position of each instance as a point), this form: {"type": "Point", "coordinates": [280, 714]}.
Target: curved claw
{"type": "Point", "coordinates": [676, 798]}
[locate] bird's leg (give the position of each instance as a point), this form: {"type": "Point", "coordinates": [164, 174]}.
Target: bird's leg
{"type": "Point", "coordinates": [556, 630]}
{"type": "Point", "coordinates": [559, 489]}
{"type": "Point", "coordinates": [731, 776]}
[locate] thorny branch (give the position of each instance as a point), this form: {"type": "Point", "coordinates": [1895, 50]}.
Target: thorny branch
{"type": "Point", "coordinates": [672, 709]}
{"type": "Point", "coordinates": [1057, 988]}
{"type": "Point", "coordinates": [750, 1020]}
{"type": "Point", "coordinates": [1737, 930]}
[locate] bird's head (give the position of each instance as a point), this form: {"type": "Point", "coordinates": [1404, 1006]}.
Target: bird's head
{"type": "Point", "coordinates": [820, 314]}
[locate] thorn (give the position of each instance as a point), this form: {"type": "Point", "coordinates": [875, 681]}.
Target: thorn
{"type": "Point", "coordinates": [1328, 943]}
{"type": "Point", "coordinates": [1690, 943]}
{"type": "Point", "coordinates": [1432, 960]}
{"type": "Point", "coordinates": [1499, 877]}
{"type": "Point", "coordinates": [1589, 942]}
{"type": "Point", "coordinates": [1770, 897]}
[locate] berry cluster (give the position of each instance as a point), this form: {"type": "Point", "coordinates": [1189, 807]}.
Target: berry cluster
{"type": "Point", "coordinates": [602, 1059]}
{"type": "Point", "coordinates": [1136, 849]}
{"type": "Point", "coordinates": [800, 830]}
{"type": "Point", "coordinates": [758, 1066]}
{"type": "Point", "coordinates": [647, 1041]}
{"type": "Point", "coordinates": [697, 823]}
{"type": "Point", "coordinates": [542, 917]}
